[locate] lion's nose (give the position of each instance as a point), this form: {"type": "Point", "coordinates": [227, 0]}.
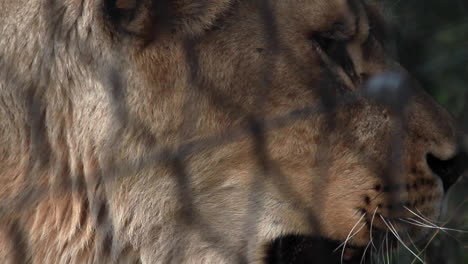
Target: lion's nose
{"type": "Point", "coordinates": [448, 170]}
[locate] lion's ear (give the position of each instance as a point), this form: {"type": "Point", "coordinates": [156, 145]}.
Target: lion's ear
{"type": "Point", "coordinates": [151, 17]}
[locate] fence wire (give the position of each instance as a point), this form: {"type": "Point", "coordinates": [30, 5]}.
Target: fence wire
{"type": "Point", "coordinates": [388, 90]}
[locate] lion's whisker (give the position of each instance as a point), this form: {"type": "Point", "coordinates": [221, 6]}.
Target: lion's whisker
{"type": "Point", "coordinates": [404, 244]}
{"type": "Point", "coordinates": [427, 218]}
{"type": "Point", "coordinates": [413, 244]}
{"type": "Point", "coordinates": [365, 251]}
{"type": "Point", "coordinates": [460, 205]}
{"type": "Point", "coordinates": [381, 250]}
{"type": "Point", "coordinates": [416, 223]}
{"type": "Point", "coordinates": [372, 223]}
{"type": "Point", "coordinates": [391, 254]}
{"type": "Point", "coordinates": [430, 224]}
{"type": "Point", "coordinates": [372, 254]}
{"type": "Point", "coordinates": [387, 249]}
{"type": "Point", "coordinates": [351, 236]}
{"type": "Point", "coordinates": [418, 216]}
{"type": "Point", "coordinates": [395, 233]}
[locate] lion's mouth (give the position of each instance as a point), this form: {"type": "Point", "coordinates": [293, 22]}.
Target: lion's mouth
{"type": "Point", "coordinates": [302, 249]}
{"type": "Point", "coordinates": [375, 237]}
{"type": "Point", "coordinates": [299, 249]}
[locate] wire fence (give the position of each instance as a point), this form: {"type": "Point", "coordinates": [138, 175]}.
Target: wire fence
{"type": "Point", "coordinates": [390, 91]}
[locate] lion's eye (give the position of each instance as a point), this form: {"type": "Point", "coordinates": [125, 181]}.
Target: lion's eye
{"type": "Point", "coordinates": [323, 42]}
{"type": "Point", "coordinates": [335, 51]}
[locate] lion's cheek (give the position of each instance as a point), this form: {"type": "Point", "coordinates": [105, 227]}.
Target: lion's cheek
{"type": "Point", "coordinates": [341, 203]}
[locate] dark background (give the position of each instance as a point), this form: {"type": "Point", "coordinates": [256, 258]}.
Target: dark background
{"type": "Point", "coordinates": [431, 41]}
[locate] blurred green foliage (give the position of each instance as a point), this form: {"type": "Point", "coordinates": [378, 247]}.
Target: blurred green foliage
{"type": "Point", "coordinates": [431, 40]}
{"type": "Point", "coordinates": [432, 43]}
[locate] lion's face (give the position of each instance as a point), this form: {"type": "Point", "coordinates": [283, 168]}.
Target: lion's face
{"type": "Point", "coordinates": [325, 154]}
{"type": "Point", "coordinates": [272, 122]}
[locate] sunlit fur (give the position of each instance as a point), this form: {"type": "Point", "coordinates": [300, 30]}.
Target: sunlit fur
{"type": "Point", "coordinates": [88, 88]}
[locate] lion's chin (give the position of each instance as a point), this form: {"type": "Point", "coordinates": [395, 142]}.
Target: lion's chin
{"type": "Point", "coordinates": [300, 249]}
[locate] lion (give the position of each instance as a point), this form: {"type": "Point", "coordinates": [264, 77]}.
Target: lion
{"type": "Point", "coordinates": [218, 131]}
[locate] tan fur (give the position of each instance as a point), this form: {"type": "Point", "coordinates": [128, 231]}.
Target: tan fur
{"type": "Point", "coordinates": [71, 188]}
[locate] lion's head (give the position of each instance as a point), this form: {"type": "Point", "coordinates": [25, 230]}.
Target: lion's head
{"type": "Point", "coordinates": [215, 131]}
